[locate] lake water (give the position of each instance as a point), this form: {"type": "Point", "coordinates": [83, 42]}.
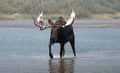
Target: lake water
{"type": "Point", "coordinates": [25, 50]}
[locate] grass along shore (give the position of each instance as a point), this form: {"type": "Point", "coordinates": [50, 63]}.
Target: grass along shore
{"type": "Point", "coordinates": [54, 16]}
{"type": "Point", "coordinates": [27, 16]}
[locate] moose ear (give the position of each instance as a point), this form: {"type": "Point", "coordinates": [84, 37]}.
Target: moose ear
{"type": "Point", "coordinates": [50, 22]}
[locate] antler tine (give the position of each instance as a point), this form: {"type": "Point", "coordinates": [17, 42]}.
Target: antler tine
{"type": "Point", "coordinates": [40, 17]}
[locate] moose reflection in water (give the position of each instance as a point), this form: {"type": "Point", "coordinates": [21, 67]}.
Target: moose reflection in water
{"type": "Point", "coordinates": [61, 32]}
{"type": "Point", "coordinates": [65, 65]}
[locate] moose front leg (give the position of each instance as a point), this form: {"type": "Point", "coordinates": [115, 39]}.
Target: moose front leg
{"type": "Point", "coordinates": [50, 52]}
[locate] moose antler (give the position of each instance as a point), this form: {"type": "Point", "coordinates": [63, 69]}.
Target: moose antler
{"type": "Point", "coordinates": [39, 22]}
{"type": "Point", "coordinates": [71, 19]}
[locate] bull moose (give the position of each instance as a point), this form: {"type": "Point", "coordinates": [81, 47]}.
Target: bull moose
{"type": "Point", "coordinates": [61, 32]}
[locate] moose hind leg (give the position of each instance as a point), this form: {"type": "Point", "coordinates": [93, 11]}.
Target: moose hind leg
{"type": "Point", "coordinates": [50, 52]}
{"type": "Point", "coordinates": [73, 47]}
{"type": "Point", "coordinates": [62, 50]}
{"type": "Point", "coordinates": [63, 53]}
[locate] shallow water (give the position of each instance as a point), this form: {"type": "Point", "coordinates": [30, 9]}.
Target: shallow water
{"type": "Point", "coordinates": [25, 50]}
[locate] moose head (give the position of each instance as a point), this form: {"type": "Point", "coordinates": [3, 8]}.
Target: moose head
{"type": "Point", "coordinates": [61, 32]}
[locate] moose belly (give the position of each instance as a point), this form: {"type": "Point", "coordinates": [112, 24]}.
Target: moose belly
{"type": "Point", "coordinates": [65, 39]}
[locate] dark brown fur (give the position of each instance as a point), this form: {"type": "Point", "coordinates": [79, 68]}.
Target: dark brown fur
{"type": "Point", "coordinates": [61, 35]}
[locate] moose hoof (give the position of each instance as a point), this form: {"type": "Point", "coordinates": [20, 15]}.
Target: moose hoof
{"type": "Point", "coordinates": [51, 56]}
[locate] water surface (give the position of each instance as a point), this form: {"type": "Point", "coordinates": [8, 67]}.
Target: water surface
{"type": "Point", "coordinates": [25, 50]}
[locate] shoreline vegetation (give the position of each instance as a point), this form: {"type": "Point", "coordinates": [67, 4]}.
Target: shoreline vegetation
{"type": "Point", "coordinates": [55, 16]}
{"type": "Point", "coordinates": [99, 20]}
{"type": "Point", "coordinates": [85, 9]}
